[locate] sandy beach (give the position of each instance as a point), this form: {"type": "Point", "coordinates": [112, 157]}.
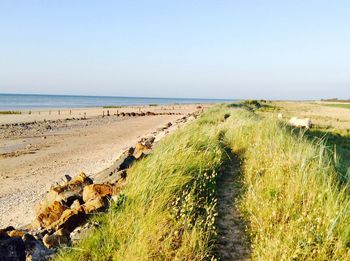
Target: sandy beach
{"type": "Point", "coordinates": [39, 148]}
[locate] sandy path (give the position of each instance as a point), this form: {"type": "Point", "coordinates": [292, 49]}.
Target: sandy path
{"type": "Point", "coordinates": [25, 177]}
{"type": "Point", "coordinates": [233, 241]}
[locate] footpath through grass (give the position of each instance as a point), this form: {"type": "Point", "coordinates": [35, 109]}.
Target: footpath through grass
{"type": "Point", "coordinates": [293, 201]}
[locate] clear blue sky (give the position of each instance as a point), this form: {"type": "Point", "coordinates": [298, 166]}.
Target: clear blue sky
{"type": "Point", "coordinates": [296, 49]}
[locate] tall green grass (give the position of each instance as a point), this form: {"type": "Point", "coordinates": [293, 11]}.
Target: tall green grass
{"type": "Point", "coordinates": [294, 204]}
{"type": "Point", "coordinates": [296, 207]}
{"type": "Point", "coordinates": [170, 202]}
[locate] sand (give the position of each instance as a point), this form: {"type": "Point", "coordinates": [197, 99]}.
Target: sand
{"type": "Point", "coordinates": [34, 156]}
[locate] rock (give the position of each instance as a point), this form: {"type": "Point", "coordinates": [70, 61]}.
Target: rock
{"type": "Point", "coordinates": [123, 174]}
{"type": "Point", "coordinates": [80, 179]}
{"type": "Point", "coordinates": [16, 233]}
{"type": "Point", "coordinates": [36, 251]}
{"type": "Point", "coordinates": [113, 173]}
{"type": "Point", "coordinates": [141, 150]}
{"type": "Point", "coordinates": [58, 238]}
{"type": "Point", "coordinates": [67, 197]}
{"type": "Point", "coordinates": [149, 141]}
{"type": "Point", "coordinates": [70, 219]}
{"type": "Point", "coordinates": [12, 249]}
{"type": "Point", "coordinates": [3, 234]}
{"type": "Point", "coordinates": [76, 205]}
{"type": "Point", "coordinates": [39, 234]}
{"type": "Point", "coordinates": [127, 162]}
{"type": "Point", "coordinates": [76, 183]}
{"type": "Point", "coordinates": [59, 198]}
{"type": "Point", "coordinates": [66, 178]}
{"type": "Point", "coordinates": [191, 118]}
{"type": "Point", "coordinates": [62, 232]}
{"type": "Point", "coordinates": [96, 204]}
{"type": "Point", "coordinates": [82, 232]}
{"type": "Point", "coordinates": [117, 187]}
{"type": "Point", "coordinates": [28, 237]}
{"type": "Point", "coordinates": [50, 214]}
{"type": "Point", "coordinates": [78, 234]}
{"type": "Point", "coordinates": [96, 191]}
{"type": "Point", "coordinates": [9, 228]}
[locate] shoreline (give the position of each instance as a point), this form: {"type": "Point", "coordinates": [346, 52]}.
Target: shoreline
{"type": "Point", "coordinates": [64, 113]}
{"type": "Point", "coordinates": [34, 157]}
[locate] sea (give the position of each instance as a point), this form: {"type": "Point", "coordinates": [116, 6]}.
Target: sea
{"type": "Point", "coordinates": [38, 101]}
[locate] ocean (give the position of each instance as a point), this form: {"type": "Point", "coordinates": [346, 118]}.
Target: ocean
{"type": "Point", "coordinates": [35, 101]}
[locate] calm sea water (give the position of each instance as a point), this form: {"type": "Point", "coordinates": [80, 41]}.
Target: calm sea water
{"type": "Point", "coordinates": [31, 101]}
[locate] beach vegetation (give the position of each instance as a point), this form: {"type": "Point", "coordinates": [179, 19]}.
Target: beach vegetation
{"type": "Point", "coordinates": [112, 107]}
{"type": "Point", "coordinates": [295, 204]}
{"type": "Point", "coordinates": [10, 112]}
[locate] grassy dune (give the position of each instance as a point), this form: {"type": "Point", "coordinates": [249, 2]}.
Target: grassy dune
{"type": "Point", "coordinates": [294, 202]}
{"type": "Point", "coordinates": [169, 207]}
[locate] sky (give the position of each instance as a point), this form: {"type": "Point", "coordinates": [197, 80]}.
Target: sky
{"type": "Point", "coordinates": [296, 49]}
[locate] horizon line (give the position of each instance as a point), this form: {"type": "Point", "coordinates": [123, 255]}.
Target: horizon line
{"type": "Point", "coordinates": [114, 96]}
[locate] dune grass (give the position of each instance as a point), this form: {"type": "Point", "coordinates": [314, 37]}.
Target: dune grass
{"type": "Point", "coordinates": [294, 202]}
{"type": "Point", "coordinates": [338, 144]}
{"type": "Point", "coordinates": [170, 202]}
{"type": "Point", "coordinates": [10, 112]}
